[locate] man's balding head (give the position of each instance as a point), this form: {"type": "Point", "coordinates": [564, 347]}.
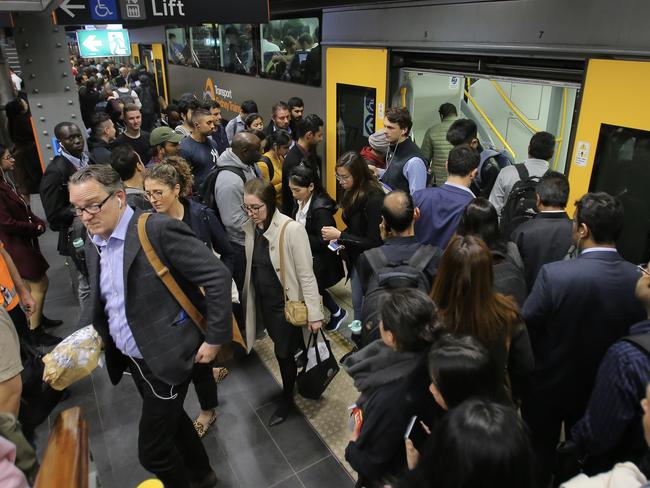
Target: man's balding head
{"type": "Point", "coordinates": [398, 212]}
{"type": "Point", "coordinates": [246, 147]}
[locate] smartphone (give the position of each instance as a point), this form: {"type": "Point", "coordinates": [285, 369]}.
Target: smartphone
{"type": "Point", "coordinates": [333, 246]}
{"type": "Point", "coordinates": [414, 431]}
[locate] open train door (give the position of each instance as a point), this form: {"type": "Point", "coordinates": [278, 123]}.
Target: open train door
{"type": "Point", "coordinates": [611, 150]}
{"type": "Point", "coordinates": [356, 86]}
{"type": "Point", "coordinates": [159, 69]}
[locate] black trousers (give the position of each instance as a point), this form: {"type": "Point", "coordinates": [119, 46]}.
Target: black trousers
{"type": "Point", "coordinates": [239, 275]}
{"type": "Point", "coordinates": [205, 386]}
{"type": "Point", "coordinates": [168, 445]}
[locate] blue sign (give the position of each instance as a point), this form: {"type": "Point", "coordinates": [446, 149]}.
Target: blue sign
{"type": "Point", "coordinates": [102, 43]}
{"type": "Point", "coordinates": [103, 9]}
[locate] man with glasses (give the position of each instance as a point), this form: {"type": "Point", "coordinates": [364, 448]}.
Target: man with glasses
{"type": "Point", "coordinates": [610, 430]}
{"type": "Point", "coordinates": [576, 310]}
{"type": "Point", "coordinates": [143, 328]}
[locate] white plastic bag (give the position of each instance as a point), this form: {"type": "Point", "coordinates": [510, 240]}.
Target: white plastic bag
{"type": "Point", "coordinates": [311, 354]}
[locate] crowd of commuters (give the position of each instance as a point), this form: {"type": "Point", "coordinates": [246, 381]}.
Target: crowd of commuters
{"type": "Point", "coordinates": [482, 334]}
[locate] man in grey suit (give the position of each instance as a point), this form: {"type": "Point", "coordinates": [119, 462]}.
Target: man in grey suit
{"type": "Point", "coordinates": [143, 327]}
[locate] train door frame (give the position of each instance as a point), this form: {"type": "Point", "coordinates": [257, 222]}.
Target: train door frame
{"type": "Point", "coordinates": [603, 102]}
{"type": "Point", "coordinates": [362, 67]}
{"type": "Point", "coordinates": [135, 53]}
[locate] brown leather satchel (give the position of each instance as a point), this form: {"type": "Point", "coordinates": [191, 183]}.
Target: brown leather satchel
{"type": "Point", "coordinates": [295, 312]}
{"type": "Point", "coordinates": [226, 352]}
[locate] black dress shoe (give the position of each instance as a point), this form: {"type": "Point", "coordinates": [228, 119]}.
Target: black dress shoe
{"type": "Point", "coordinates": [42, 338]}
{"type": "Point", "coordinates": [45, 322]}
{"type": "Point", "coordinates": [210, 481]}
{"type": "Point", "coordinates": [281, 413]}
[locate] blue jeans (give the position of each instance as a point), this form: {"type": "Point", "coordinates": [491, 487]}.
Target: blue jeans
{"type": "Point", "coordinates": [357, 292]}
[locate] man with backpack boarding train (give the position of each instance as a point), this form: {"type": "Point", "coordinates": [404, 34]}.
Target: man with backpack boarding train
{"type": "Point", "coordinates": [540, 151]}
{"type": "Point", "coordinates": [401, 262]}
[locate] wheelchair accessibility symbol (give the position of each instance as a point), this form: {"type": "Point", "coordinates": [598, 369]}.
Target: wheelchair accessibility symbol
{"type": "Point", "coordinates": [103, 10]}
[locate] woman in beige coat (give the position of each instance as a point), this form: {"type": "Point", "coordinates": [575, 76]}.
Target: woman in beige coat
{"type": "Point", "coordinates": [263, 293]}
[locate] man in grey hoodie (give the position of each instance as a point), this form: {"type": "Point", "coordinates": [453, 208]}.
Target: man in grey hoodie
{"type": "Point", "coordinates": [240, 159]}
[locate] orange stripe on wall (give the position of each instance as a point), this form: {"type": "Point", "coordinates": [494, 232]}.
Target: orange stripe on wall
{"type": "Point", "coordinates": [38, 148]}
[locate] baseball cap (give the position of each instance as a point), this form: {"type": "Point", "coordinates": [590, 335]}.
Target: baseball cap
{"type": "Point", "coordinates": [164, 134]}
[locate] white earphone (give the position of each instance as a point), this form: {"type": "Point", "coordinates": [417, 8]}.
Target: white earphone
{"type": "Point", "coordinates": [119, 204]}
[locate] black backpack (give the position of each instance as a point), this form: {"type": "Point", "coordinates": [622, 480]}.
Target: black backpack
{"type": "Point", "coordinates": [641, 341]}
{"type": "Point", "coordinates": [390, 276]}
{"type": "Point", "coordinates": [206, 190]}
{"type": "Point", "coordinates": [521, 204]}
{"type": "Point", "coordinates": [269, 166]}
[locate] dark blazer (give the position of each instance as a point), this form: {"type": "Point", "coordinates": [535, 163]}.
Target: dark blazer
{"type": "Point", "coordinates": [167, 341]}
{"type": "Point", "coordinates": [362, 233]}
{"type": "Point", "coordinates": [206, 226]}
{"type": "Point", "coordinates": [440, 211]}
{"type": "Point", "coordinates": [542, 240]}
{"type": "Point", "coordinates": [328, 266]}
{"type": "Point", "coordinates": [100, 150]}
{"type": "Point", "coordinates": [18, 232]}
{"type": "Point", "coordinates": [576, 310]}
{"type": "Point", "coordinates": [56, 198]}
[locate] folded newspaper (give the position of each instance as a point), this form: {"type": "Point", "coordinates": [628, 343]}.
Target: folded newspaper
{"type": "Point", "coordinates": [73, 358]}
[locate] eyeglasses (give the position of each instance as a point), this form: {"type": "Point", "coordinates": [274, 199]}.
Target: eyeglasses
{"type": "Point", "coordinates": [340, 178]}
{"type": "Point", "coordinates": [643, 268]}
{"type": "Point", "coordinates": [154, 195]}
{"type": "Point", "coordinates": [8, 157]}
{"type": "Point", "coordinates": [93, 209]}
{"type": "Point", "coordinates": [249, 209]}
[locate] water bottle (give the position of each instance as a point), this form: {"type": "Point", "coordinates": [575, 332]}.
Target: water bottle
{"type": "Point", "coordinates": [80, 255]}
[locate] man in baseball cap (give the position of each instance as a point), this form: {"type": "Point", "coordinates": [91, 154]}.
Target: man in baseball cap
{"type": "Point", "coordinates": [164, 142]}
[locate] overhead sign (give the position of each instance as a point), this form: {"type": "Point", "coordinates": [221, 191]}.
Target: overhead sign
{"type": "Point", "coordinates": [102, 43]}
{"type": "Point", "coordinates": [135, 13]}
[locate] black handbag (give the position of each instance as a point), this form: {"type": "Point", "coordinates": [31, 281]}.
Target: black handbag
{"type": "Point", "coordinates": [313, 382]}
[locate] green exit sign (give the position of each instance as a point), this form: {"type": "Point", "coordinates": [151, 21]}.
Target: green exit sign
{"type": "Point", "coordinates": [103, 43]}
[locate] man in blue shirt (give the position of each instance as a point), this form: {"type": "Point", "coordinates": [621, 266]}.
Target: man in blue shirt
{"type": "Point", "coordinates": [200, 150]}
{"type": "Point", "coordinates": [142, 325]}
{"type": "Point", "coordinates": [406, 168]}
{"type": "Point", "coordinates": [610, 430]}
{"type": "Point", "coordinates": [442, 207]}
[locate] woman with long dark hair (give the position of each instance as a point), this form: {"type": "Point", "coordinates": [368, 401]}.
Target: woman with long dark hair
{"type": "Point", "coordinates": [480, 219]}
{"type": "Point", "coordinates": [361, 204]}
{"type": "Point", "coordinates": [168, 187]}
{"type": "Point", "coordinates": [315, 209]}
{"type": "Point", "coordinates": [468, 305]}
{"type": "Point", "coordinates": [277, 249]}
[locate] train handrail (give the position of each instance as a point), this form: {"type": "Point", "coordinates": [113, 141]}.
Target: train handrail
{"type": "Point", "coordinates": [560, 139]}
{"type": "Point", "coordinates": [66, 457]}
{"type": "Point", "coordinates": [490, 124]}
{"type": "Point", "coordinates": [520, 115]}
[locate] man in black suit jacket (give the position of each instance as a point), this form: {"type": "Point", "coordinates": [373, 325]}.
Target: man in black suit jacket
{"type": "Point", "coordinates": [310, 135]}
{"type": "Point", "coordinates": [576, 310]}
{"type": "Point", "coordinates": [142, 325]}
{"type": "Point", "coordinates": [547, 237]}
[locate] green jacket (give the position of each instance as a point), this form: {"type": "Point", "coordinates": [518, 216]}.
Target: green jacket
{"type": "Point", "coordinates": [436, 148]}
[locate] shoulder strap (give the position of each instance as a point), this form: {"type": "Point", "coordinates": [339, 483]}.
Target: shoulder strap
{"type": "Point", "coordinates": [163, 273]}
{"type": "Point", "coordinates": [376, 259]}
{"type": "Point", "coordinates": [522, 171]}
{"type": "Point", "coordinates": [641, 341]}
{"type": "Point", "coordinates": [269, 166]}
{"type": "Point", "coordinates": [282, 280]}
{"type": "Point", "coordinates": [233, 169]}
{"type": "Point", "coordinates": [422, 257]}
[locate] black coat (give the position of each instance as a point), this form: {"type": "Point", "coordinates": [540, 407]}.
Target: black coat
{"type": "Point", "coordinates": [100, 150]}
{"type": "Point", "coordinates": [294, 157]}
{"type": "Point", "coordinates": [56, 198]}
{"type": "Point", "coordinates": [542, 240]}
{"type": "Point", "coordinates": [206, 226]}
{"type": "Point", "coordinates": [328, 267]}
{"type": "Point", "coordinates": [362, 233]}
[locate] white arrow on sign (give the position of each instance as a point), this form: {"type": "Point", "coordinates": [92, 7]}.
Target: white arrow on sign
{"type": "Point", "coordinates": [67, 8]}
{"type": "Point", "coordinates": [92, 43]}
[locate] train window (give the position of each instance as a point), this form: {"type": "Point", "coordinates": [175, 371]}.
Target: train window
{"type": "Point", "coordinates": [205, 46]}
{"type": "Point", "coordinates": [290, 50]}
{"type": "Point", "coordinates": [237, 53]}
{"type": "Point", "coordinates": [178, 49]}
{"type": "Point", "coordinates": [622, 168]}
{"type": "Point", "coordinates": [507, 112]}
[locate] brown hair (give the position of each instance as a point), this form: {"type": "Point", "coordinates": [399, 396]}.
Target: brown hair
{"type": "Point", "coordinates": [265, 191]}
{"type": "Point", "coordinates": [130, 107]}
{"type": "Point", "coordinates": [464, 293]}
{"type": "Point", "coordinates": [364, 181]}
{"type": "Point", "coordinates": [172, 171]}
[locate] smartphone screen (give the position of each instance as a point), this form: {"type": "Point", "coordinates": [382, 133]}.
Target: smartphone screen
{"type": "Point", "coordinates": [407, 434]}
{"type": "Point", "coordinates": [333, 246]}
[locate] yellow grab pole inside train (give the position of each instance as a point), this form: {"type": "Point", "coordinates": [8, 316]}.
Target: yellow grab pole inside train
{"type": "Point", "coordinates": [490, 124]}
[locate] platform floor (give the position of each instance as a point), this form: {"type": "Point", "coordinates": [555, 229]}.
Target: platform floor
{"type": "Point", "coordinates": [244, 451]}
